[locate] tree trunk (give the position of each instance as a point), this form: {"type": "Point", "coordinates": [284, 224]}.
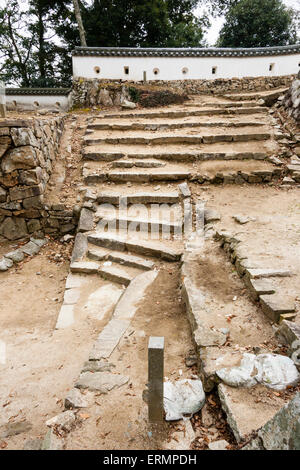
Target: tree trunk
{"type": "Point", "coordinates": [79, 22]}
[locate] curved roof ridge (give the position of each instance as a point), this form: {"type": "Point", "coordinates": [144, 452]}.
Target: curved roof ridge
{"type": "Point", "coordinates": [184, 51]}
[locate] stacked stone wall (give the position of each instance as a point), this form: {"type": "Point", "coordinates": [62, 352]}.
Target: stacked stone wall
{"type": "Point", "coordinates": [28, 151]}
{"type": "Point", "coordinates": [96, 92]}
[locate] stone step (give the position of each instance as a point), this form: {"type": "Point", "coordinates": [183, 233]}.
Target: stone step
{"type": "Point", "coordinates": [219, 172]}
{"type": "Point", "coordinates": [138, 164]}
{"type": "Point", "coordinates": [255, 95]}
{"type": "Point", "coordinates": [233, 104]}
{"type": "Point", "coordinates": [98, 125]}
{"type": "Point", "coordinates": [174, 156]}
{"type": "Point", "coordinates": [142, 177]}
{"type": "Point", "coordinates": [117, 273]}
{"type": "Point", "coordinates": [100, 254]}
{"type": "Point", "coordinates": [180, 139]}
{"type": "Point", "coordinates": [139, 198]}
{"type": "Point", "coordinates": [141, 225]}
{"type": "Point", "coordinates": [157, 249]}
{"type": "Point", "coordinates": [179, 113]}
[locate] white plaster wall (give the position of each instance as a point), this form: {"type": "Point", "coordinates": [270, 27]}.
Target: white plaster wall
{"type": "Point", "coordinates": [29, 102]}
{"type": "Point", "coordinates": [170, 68]}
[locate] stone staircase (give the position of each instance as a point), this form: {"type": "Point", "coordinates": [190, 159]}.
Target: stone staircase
{"type": "Point", "coordinates": [184, 143]}
{"type": "Point", "coordinates": [138, 214]}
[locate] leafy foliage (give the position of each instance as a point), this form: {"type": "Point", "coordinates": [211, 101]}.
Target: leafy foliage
{"type": "Point", "coordinates": [258, 23]}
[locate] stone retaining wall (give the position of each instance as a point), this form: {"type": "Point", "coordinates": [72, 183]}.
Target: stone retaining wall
{"type": "Point", "coordinates": [291, 101]}
{"type": "Point", "coordinates": [220, 86]}
{"type": "Point", "coordinates": [95, 92]}
{"type": "Point", "coordinates": [28, 149]}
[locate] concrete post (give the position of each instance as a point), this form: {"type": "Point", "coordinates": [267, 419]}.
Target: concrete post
{"type": "Point", "coordinates": [144, 76]}
{"type": "Point", "coordinates": [2, 100]}
{"type": "Point", "coordinates": [156, 379]}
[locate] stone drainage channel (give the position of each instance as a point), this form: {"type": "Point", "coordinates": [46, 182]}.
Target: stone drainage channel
{"type": "Point", "coordinates": [115, 247]}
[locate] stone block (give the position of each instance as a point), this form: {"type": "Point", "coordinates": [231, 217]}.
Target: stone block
{"type": "Point", "coordinates": [274, 305]}
{"type": "Point", "coordinates": [13, 228]}
{"type": "Point", "coordinates": [23, 192]}
{"type": "Point", "coordinates": [18, 159]}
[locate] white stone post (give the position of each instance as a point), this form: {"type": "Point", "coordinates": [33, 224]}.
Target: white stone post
{"type": "Point", "coordinates": [2, 100]}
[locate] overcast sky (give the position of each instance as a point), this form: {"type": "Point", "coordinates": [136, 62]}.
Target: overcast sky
{"type": "Point", "coordinates": [216, 23]}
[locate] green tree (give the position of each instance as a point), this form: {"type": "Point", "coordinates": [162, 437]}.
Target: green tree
{"type": "Point", "coordinates": [143, 23]}
{"type": "Point", "coordinates": [258, 23]}
{"type": "Point", "coordinates": [15, 47]}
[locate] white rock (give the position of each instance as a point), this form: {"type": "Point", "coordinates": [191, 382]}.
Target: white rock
{"type": "Point", "coordinates": [182, 398]}
{"type": "Point", "coordinates": [239, 376]}
{"type": "Point", "coordinates": [63, 422]}
{"type": "Point", "coordinates": [272, 370]}
{"type": "Point", "coordinates": [128, 104]}
{"type": "Point", "coordinates": [276, 371]}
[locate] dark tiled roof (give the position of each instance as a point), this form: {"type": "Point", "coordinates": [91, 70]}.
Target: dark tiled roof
{"type": "Point", "coordinates": [37, 91]}
{"type": "Point", "coordinates": [184, 52]}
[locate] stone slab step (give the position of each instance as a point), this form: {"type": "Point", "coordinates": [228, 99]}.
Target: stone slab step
{"type": "Point", "coordinates": [254, 96]}
{"type": "Point", "coordinates": [181, 139]}
{"type": "Point", "coordinates": [176, 156]}
{"type": "Point", "coordinates": [138, 164]}
{"type": "Point", "coordinates": [123, 313]}
{"type": "Point", "coordinates": [275, 305]}
{"type": "Point", "coordinates": [156, 249]}
{"type": "Point", "coordinates": [98, 125]}
{"type": "Point", "coordinates": [247, 412]}
{"type": "Point", "coordinates": [139, 198]}
{"type": "Point", "coordinates": [86, 267]}
{"type": "Point", "coordinates": [119, 274]}
{"type": "Point", "coordinates": [233, 104]}
{"type": "Point", "coordinates": [100, 254]}
{"type": "Point", "coordinates": [141, 177]}
{"type": "Point", "coordinates": [179, 114]}
{"type": "Point", "coordinates": [101, 156]}
{"type": "Point", "coordinates": [142, 225]}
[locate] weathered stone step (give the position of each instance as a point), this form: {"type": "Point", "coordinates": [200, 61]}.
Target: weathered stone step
{"type": "Point", "coordinates": [198, 112]}
{"type": "Point", "coordinates": [137, 163]}
{"type": "Point", "coordinates": [157, 249]}
{"type": "Point", "coordinates": [169, 125]}
{"type": "Point", "coordinates": [119, 274]}
{"type": "Point", "coordinates": [233, 104]}
{"type": "Point", "coordinates": [100, 254]}
{"type": "Point", "coordinates": [142, 177]}
{"type": "Point", "coordinates": [185, 139]}
{"type": "Point", "coordinates": [142, 225]}
{"type": "Point", "coordinates": [139, 198]}
{"type": "Point", "coordinates": [256, 95]}
{"type": "Point", "coordinates": [175, 156]}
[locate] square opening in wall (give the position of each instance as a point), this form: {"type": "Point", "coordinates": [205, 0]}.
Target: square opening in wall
{"type": "Point", "coordinates": [214, 70]}
{"type": "Point", "coordinates": [126, 70]}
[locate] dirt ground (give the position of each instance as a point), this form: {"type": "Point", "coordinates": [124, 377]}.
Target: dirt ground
{"type": "Point", "coordinates": [42, 364]}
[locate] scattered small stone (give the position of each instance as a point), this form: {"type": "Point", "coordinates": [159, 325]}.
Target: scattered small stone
{"type": "Point", "coordinates": [12, 429]}
{"type": "Point", "coordinates": [241, 219]}
{"type": "Point", "coordinates": [101, 382]}
{"type": "Point", "coordinates": [211, 215]}
{"type": "Point", "coordinates": [218, 445]}
{"type": "Point", "coordinates": [33, 444]}
{"type": "Point", "coordinates": [75, 399]}
{"type": "Point", "coordinates": [207, 418]}
{"type": "Point", "coordinates": [5, 264]}
{"type": "Point", "coordinates": [63, 422]}
{"type": "Point", "coordinates": [67, 238]}
{"type": "Point", "coordinates": [52, 442]}
{"type": "Point", "coordinates": [191, 359]}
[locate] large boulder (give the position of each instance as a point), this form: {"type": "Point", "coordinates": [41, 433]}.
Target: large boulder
{"type": "Point", "coordinates": [13, 228]}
